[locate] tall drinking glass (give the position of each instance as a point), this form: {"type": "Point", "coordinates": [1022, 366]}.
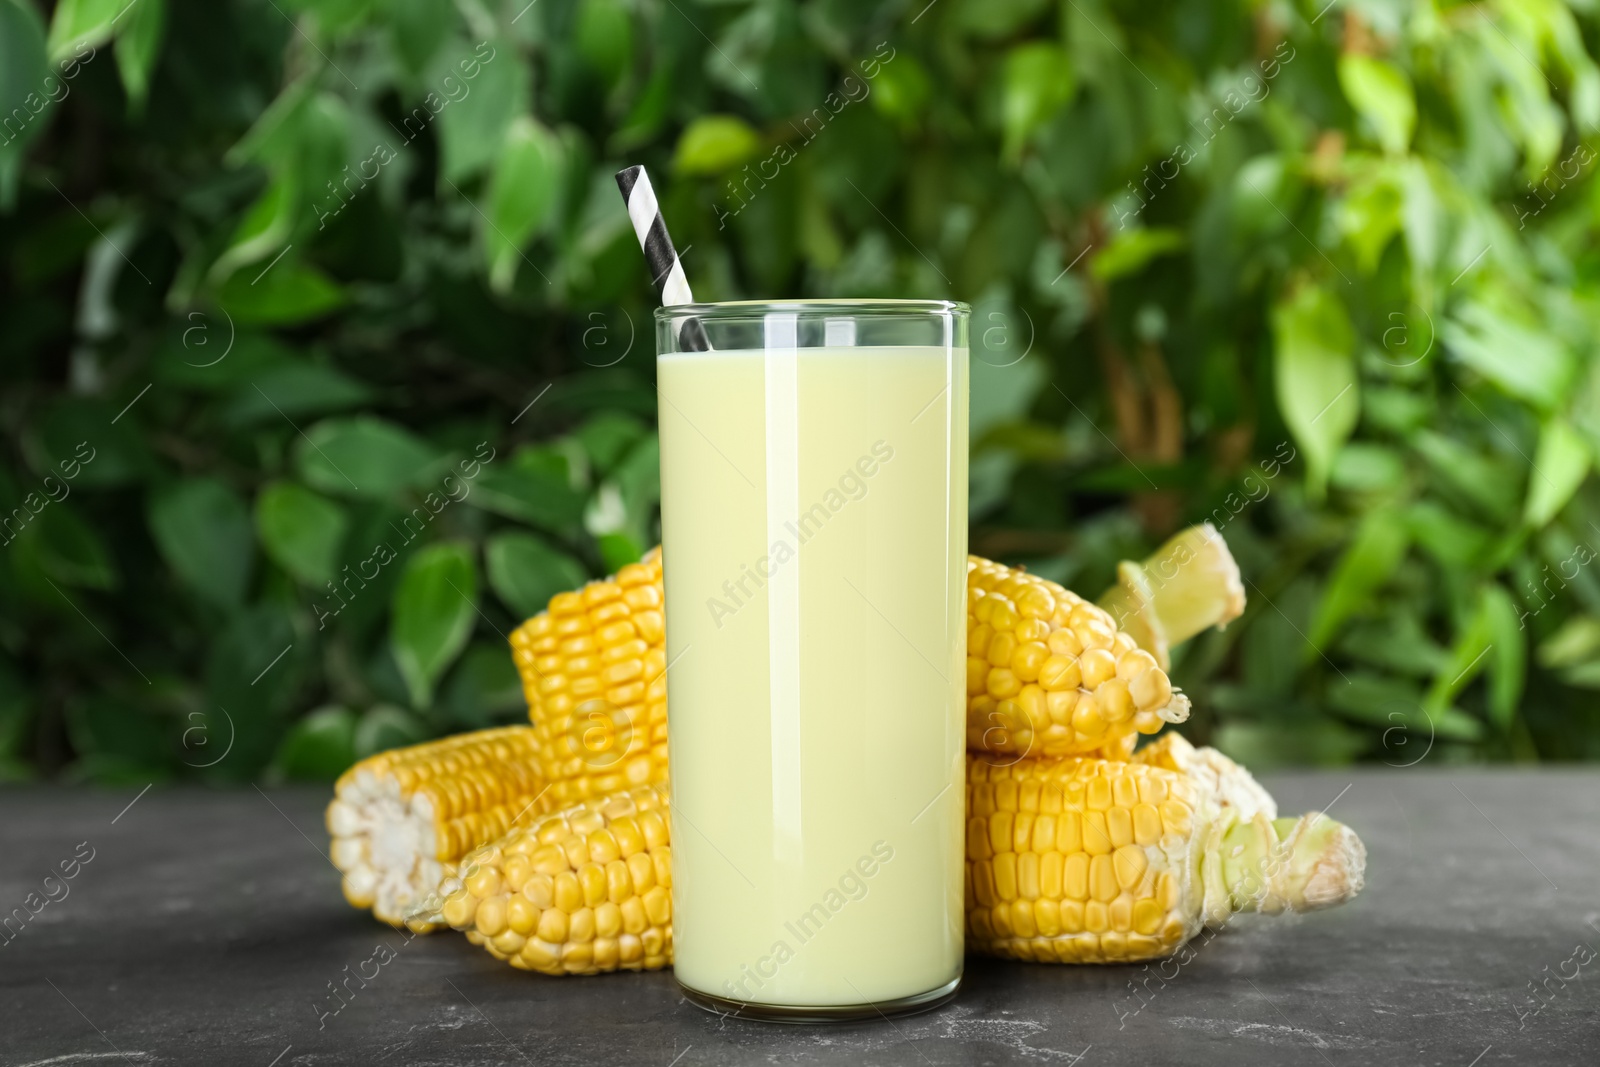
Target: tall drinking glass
{"type": "Point", "coordinates": [814, 530]}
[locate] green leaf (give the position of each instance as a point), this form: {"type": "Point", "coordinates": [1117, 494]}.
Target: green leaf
{"type": "Point", "coordinates": [1467, 659]}
{"type": "Point", "coordinates": [420, 28]}
{"type": "Point", "coordinates": [1366, 565]}
{"type": "Point", "coordinates": [1559, 467]}
{"type": "Point", "coordinates": [996, 19]}
{"type": "Point", "coordinates": [319, 747]}
{"type": "Point", "coordinates": [483, 688]}
{"type": "Point", "coordinates": [283, 294]}
{"type": "Point", "coordinates": [533, 486]}
{"type": "Point", "coordinates": [336, 18]}
{"type": "Point", "coordinates": [525, 572]}
{"type": "Point", "coordinates": [324, 145]}
{"type": "Point", "coordinates": [1266, 195]}
{"type": "Point", "coordinates": [85, 441]}
{"type": "Point", "coordinates": [1583, 676]}
{"type": "Point", "coordinates": [638, 483]}
{"type": "Point", "coordinates": [292, 390]}
{"type": "Point", "coordinates": [522, 191]}
{"type": "Point", "coordinates": [1508, 653]}
{"type": "Point", "coordinates": [1395, 706]}
{"type": "Point", "coordinates": [301, 531]}
{"type": "Point", "coordinates": [650, 109]}
{"type": "Point", "coordinates": [1036, 81]}
{"type": "Point", "coordinates": [714, 144]}
{"type": "Point", "coordinates": [138, 46]}
{"type": "Point", "coordinates": [1003, 391]}
{"type": "Point", "coordinates": [24, 68]}
{"type": "Point", "coordinates": [1576, 641]}
{"type": "Point", "coordinates": [607, 437]}
{"type": "Point", "coordinates": [1315, 368]}
{"type": "Point", "coordinates": [363, 456]}
{"type": "Point", "coordinates": [1451, 539]}
{"type": "Point", "coordinates": [1395, 640]}
{"type": "Point", "coordinates": [1489, 484]}
{"type": "Point", "coordinates": [1317, 743]}
{"type": "Point", "coordinates": [1512, 349]}
{"type": "Point", "coordinates": [902, 89]}
{"type": "Point", "coordinates": [474, 115]}
{"type": "Point", "coordinates": [1367, 468]}
{"type": "Point", "coordinates": [384, 727]}
{"type": "Point", "coordinates": [1275, 643]}
{"type": "Point", "coordinates": [203, 354]}
{"type": "Point", "coordinates": [80, 24]}
{"type": "Point", "coordinates": [433, 612]}
{"type": "Point", "coordinates": [617, 550]}
{"type": "Point", "coordinates": [68, 550]}
{"type": "Point", "coordinates": [1369, 217]}
{"type": "Point", "coordinates": [603, 35]}
{"type": "Point", "coordinates": [265, 229]}
{"type": "Point", "coordinates": [102, 725]}
{"type": "Point", "coordinates": [276, 131]}
{"type": "Point", "coordinates": [1130, 250]}
{"type": "Point", "coordinates": [1423, 220]}
{"type": "Point", "coordinates": [203, 531]}
{"type": "Point", "coordinates": [1381, 94]}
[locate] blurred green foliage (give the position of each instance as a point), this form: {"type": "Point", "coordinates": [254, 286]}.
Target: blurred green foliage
{"type": "Point", "coordinates": [327, 352]}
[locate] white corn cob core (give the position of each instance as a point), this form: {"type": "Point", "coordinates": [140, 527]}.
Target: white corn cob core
{"type": "Point", "coordinates": [384, 844]}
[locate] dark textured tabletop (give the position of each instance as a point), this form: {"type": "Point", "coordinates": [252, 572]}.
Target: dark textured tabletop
{"type": "Point", "coordinates": [206, 928]}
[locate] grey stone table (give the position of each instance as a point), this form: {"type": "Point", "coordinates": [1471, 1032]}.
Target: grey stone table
{"type": "Point", "coordinates": [205, 928]}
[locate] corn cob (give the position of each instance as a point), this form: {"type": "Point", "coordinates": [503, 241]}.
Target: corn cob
{"type": "Point", "coordinates": [1048, 673]}
{"type": "Point", "coordinates": [400, 819]}
{"type": "Point", "coordinates": [592, 668]}
{"type": "Point", "coordinates": [1093, 861]}
{"type": "Point", "coordinates": [583, 892]}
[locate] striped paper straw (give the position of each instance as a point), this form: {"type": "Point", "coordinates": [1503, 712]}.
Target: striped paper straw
{"type": "Point", "coordinates": [666, 272]}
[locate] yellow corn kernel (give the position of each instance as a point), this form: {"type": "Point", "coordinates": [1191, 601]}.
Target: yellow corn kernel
{"type": "Point", "coordinates": [1075, 876]}
{"type": "Point", "coordinates": [1050, 876]}
{"type": "Point", "coordinates": [522, 914]}
{"type": "Point", "coordinates": [1146, 824]}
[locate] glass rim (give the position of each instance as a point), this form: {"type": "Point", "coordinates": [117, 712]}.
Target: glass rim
{"type": "Point", "coordinates": [748, 308]}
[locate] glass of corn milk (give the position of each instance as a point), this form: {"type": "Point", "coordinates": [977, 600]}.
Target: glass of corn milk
{"type": "Point", "coordinates": [814, 531]}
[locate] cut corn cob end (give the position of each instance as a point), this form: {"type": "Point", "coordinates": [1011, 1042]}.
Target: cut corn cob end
{"type": "Point", "coordinates": [1277, 865]}
{"type": "Point", "coordinates": [586, 891]}
{"type": "Point", "coordinates": [1094, 861]}
{"type": "Point", "coordinates": [592, 668]}
{"type": "Point", "coordinates": [1191, 583]}
{"type": "Point", "coordinates": [1049, 674]}
{"type": "Point", "coordinates": [399, 819]}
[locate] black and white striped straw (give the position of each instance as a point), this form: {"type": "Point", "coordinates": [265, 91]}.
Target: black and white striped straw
{"type": "Point", "coordinates": [665, 270]}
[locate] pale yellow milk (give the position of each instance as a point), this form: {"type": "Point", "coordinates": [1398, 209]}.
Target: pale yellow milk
{"type": "Point", "coordinates": [814, 524]}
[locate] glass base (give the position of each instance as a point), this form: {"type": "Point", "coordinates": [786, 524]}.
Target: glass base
{"type": "Point", "coordinates": [824, 1013]}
